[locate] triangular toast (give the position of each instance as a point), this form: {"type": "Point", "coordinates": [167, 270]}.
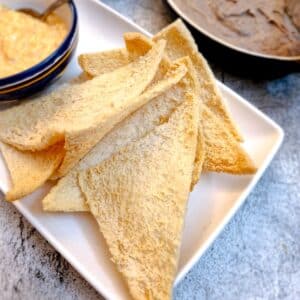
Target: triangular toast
{"type": "Point", "coordinates": [139, 196]}
{"type": "Point", "coordinates": [80, 115]}
{"type": "Point", "coordinates": [223, 153]}
{"type": "Point", "coordinates": [180, 43]}
{"type": "Point", "coordinates": [29, 170]}
{"type": "Point", "coordinates": [75, 143]}
{"type": "Point", "coordinates": [66, 195]}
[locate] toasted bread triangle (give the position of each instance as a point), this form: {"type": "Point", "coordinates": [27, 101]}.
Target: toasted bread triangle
{"type": "Point", "coordinates": [138, 197]}
{"type": "Point", "coordinates": [29, 170]}
{"type": "Point", "coordinates": [181, 43]}
{"type": "Point", "coordinates": [99, 63]}
{"type": "Point", "coordinates": [223, 152]}
{"type": "Point", "coordinates": [66, 195]}
{"type": "Point", "coordinates": [80, 115]}
{"type": "Point", "coordinates": [51, 121]}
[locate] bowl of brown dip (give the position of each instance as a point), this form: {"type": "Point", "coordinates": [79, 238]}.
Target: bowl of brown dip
{"type": "Point", "coordinates": [264, 28]}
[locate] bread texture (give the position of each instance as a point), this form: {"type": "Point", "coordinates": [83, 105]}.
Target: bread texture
{"type": "Point", "coordinates": [139, 196]}
{"type": "Point", "coordinates": [81, 78]}
{"type": "Point", "coordinates": [223, 152]}
{"type": "Point", "coordinates": [29, 170]}
{"type": "Point", "coordinates": [181, 43]}
{"type": "Point", "coordinates": [70, 104]}
{"type": "Point", "coordinates": [99, 63]}
{"type": "Point", "coordinates": [66, 195]}
{"type": "Point", "coordinates": [81, 114]}
{"type": "Point", "coordinates": [222, 137]}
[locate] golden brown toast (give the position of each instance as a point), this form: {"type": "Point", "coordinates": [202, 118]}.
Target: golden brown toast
{"type": "Point", "coordinates": [139, 196]}
{"type": "Point", "coordinates": [66, 195]}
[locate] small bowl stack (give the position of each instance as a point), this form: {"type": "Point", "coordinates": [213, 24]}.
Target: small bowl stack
{"type": "Point", "coordinates": [37, 77]}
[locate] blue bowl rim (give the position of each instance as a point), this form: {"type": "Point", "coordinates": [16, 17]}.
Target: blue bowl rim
{"type": "Point", "coordinates": [49, 60]}
{"type": "Point", "coordinates": [34, 81]}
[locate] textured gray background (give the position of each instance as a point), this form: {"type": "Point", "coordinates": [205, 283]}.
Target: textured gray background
{"type": "Point", "coordinates": [256, 257]}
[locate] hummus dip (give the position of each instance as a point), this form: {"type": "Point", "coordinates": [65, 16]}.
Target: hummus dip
{"type": "Point", "coordinates": [26, 41]}
{"type": "Point", "coordinates": [267, 26]}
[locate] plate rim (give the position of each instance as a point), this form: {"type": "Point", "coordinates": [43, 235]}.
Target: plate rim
{"type": "Point", "coordinates": [231, 46]}
{"type": "Point", "coordinates": [79, 266]}
{"type": "Point", "coordinates": [243, 196]}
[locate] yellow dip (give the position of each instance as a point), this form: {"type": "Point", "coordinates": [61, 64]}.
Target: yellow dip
{"type": "Point", "coordinates": [26, 41]}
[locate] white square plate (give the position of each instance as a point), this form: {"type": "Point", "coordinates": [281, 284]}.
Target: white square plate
{"type": "Point", "coordinates": [212, 204]}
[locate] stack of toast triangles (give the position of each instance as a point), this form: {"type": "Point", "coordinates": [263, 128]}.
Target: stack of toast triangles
{"type": "Point", "coordinates": [128, 141]}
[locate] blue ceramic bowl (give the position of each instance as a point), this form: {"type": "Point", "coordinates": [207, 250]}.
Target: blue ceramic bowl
{"type": "Point", "coordinates": [34, 79]}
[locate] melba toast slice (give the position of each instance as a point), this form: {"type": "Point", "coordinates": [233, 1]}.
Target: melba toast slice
{"type": "Point", "coordinates": [223, 152]}
{"type": "Point", "coordinates": [66, 195]}
{"type": "Point", "coordinates": [29, 170]}
{"type": "Point", "coordinates": [78, 115]}
{"type": "Point", "coordinates": [181, 43]}
{"type": "Point", "coordinates": [99, 63]}
{"type": "Point", "coordinates": [139, 197]}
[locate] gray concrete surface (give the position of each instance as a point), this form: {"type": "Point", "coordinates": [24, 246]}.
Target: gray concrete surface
{"type": "Point", "coordinates": [256, 257]}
